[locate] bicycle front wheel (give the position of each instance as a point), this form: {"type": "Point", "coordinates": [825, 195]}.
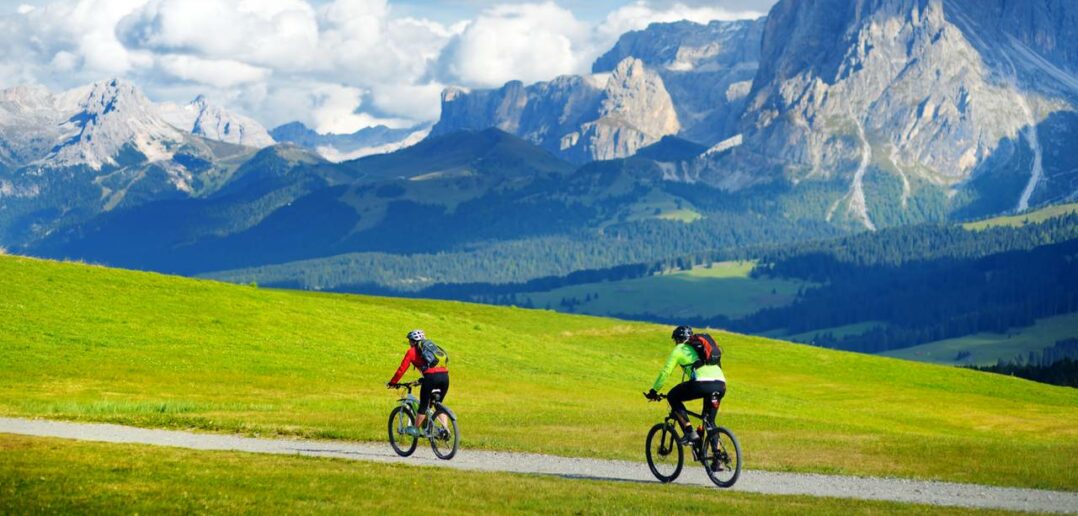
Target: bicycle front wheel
{"type": "Point", "coordinates": [402, 443]}
{"type": "Point", "coordinates": [664, 452]}
{"type": "Point", "coordinates": [722, 457]}
{"type": "Point", "coordinates": [444, 438]}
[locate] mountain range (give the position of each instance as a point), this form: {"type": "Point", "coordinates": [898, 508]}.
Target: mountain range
{"type": "Point", "coordinates": [823, 117]}
{"type": "Point", "coordinates": [903, 110]}
{"type": "Point", "coordinates": [343, 147]}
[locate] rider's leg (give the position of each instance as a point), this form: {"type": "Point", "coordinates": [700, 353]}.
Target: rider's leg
{"type": "Point", "coordinates": [677, 397]}
{"type": "Point", "coordinates": [424, 403]}
{"type": "Point", "coordinates": [712, 388]}
{"type": "Point", "coordinates": [442, 418]}
{"type": "Point", "coordinates": [432, 382]}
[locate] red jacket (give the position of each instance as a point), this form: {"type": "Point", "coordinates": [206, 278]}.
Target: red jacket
{"type": "Point", "coordinates": [413, 357]}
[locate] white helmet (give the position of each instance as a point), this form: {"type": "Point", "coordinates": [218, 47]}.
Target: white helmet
{"type": "Point", "coordinates": [417, 336]}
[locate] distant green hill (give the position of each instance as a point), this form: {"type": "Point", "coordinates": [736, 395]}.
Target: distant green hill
{"type": "Point", "coordinates": [987, 348]}
{"type": "Point", "coordinates": [725, 289]}
{"type": "Point", "coordinates": [488, 152]}
{"type": "Point", "coordinates": [671, 149]}
{"type": "Point", "coordinates": [947, 293]}
{"type": "Point", "coordinates": [1030, 217]}
{"type": "Point", "coordinates": [89, 343]}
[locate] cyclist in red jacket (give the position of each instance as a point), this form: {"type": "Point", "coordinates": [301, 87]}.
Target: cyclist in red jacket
{"type": "Point", "coordinates": [436, 377]}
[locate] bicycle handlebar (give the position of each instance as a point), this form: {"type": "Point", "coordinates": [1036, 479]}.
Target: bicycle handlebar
{"type": "Point", "coordinates": [406, 385]}
{"type": "Point", "coordinates": [659, 397]}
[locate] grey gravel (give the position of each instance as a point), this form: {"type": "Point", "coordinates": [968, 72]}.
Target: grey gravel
{"type": "Point", "coordinates": [768, 482]}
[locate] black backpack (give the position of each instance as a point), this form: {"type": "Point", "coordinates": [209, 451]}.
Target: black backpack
{"type": "Point", "coordinates": [707, 349]}
{"type": "Point", "coordinates": [432, 354]}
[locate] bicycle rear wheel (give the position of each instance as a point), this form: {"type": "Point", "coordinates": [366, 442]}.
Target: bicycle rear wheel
{"type": "Point", "coordinates": [722, 457]}
{"type": "Point", "coordinates": [444, 438]}
{"type": "Point", "coordinates": [402, 443]}
{"type": "Point", "coordinates": [664, 452]}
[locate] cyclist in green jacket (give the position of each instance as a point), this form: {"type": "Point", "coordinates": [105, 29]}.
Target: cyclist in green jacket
{"type": "Point", "coordinates": [703, 381]}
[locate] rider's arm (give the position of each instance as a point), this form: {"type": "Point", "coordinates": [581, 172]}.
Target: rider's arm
{"type": "Point", "coordinates": [672, 362]}
{"type": "Point", "coordinates": [407, 361]}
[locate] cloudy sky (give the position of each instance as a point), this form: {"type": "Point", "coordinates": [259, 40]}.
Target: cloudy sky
{"type": "Point", "coordinates": [336, 65]}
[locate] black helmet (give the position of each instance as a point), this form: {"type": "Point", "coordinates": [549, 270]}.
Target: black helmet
{"type": "Point", "coordinates": [681, 334]}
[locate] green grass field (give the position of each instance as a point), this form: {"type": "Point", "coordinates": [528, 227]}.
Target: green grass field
{"type": "Point", "coordinates": [1022, 219]}
{"type": "Point", "coordinates": [723, 289]}
{"type": "Point", "coordinates": [89, 343]}
{"type": "Point", "coordinates": [988, 348]}
{"type": "Point", "coordinates": [837, 331]}
{"type": "Point", "coordinates": [682, 215]}
{"type": "Point", "coordinates": [40, 475]}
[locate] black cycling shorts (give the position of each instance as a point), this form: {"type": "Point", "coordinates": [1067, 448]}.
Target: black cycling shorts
{"type": "Point", "coordinates": [430, 382]}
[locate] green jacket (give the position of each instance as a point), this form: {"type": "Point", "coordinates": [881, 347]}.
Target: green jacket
{"type": "Point", "coordinates": [685, 356]}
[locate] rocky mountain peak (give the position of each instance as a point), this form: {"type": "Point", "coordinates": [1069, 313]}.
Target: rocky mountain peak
{"type": "Point", "coordinates": [579, 118]}
{"type": "Point", "coordinates": [114, 95]}
{"type": "Point", "coordinates": [707, 69]}
{"type": "Point", "coordinates": [203, 118]}
{"type": "Point", "coordinates": [112, 117]}
{"type": "Point", "coordinates": [919, 94]}
{"type": "Point", "coordinates": [637, 96]}
{"type": "Point", "coordinates": [92, 125]}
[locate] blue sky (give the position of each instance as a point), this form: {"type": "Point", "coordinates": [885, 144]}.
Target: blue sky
{"type": "Point", "coordinates": [335, 65]}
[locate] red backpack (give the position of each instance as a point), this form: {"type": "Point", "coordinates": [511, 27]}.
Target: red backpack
{"type": "Point", "coordinates": [707, 349]}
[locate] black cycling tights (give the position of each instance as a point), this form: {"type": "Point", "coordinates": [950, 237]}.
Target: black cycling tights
{"type": "Point", "coordinates": [693, 391]}
{"type": "Point", "coordinates": [430, 382]}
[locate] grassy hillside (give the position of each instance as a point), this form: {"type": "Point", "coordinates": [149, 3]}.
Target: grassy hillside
{"type": "Point", "coordinates": [988, 348]}
{"type": "Point", "coordinates": [837, 331]}
{"type": "Point", "coordinates": [110, 478]}
{"type": "Point", "coordinates": [88, 343]}
{"type": "Point", "coordinates": [1022, 219]}
{"type": "Point", "coordinates": [723, 289]}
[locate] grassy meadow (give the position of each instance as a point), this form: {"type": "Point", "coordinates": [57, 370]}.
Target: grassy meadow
{"type": "Point", "coordinates": [987, 348]}
{"type": "Point", "coordinates": [837, 332]}
{"type": "Point", "coordinates": [94, 344]}
{"type": "Point", "coordinates": [725, 288]}
{"type": "Point", "coordinates": [41, 475]}
{"type": "Point", "coordinates": [1022, 219]}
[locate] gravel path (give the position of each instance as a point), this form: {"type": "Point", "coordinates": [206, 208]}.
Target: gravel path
{"type": "Point", "coordinates": [868, 488]}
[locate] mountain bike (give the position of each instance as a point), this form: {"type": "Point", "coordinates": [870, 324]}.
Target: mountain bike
{"type": "Point", "coordinates": [717, 449]}
{"type": "Point", "coordinates": [440, 426]}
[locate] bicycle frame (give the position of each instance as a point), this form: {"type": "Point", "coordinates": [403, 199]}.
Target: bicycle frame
{"type": "Point", "coordinates": [708, 417]}
{"type": "Point", "coordinates": [709, 427]}
{"type": "Point", "coordinates": [411, 403]}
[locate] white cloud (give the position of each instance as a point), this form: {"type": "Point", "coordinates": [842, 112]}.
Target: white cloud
{"type": "Point", "coordinates": [362, 43]}
{"type": "Point", "coordinates": [539, 41]}
{"type": "Point", "coordinates": [335, 65]}
{"type": "Point", "coordinates": [221, 73]}
{"type": "Point", "coordinates": [64, 61]}
{"type": "Point", "coordinates": [414, 101]}
{"type": "Point", "coordinates": [278, 33]}
{"type": "Point", "coordinates": [336, 110]}
{"type": "Point", "coordinates": [528, 42]}
{"type": "Point", "coordinates": [337, 156]}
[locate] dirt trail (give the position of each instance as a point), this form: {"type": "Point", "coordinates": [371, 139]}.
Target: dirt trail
{"type": "Point", "coordinates": [868, 488]}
